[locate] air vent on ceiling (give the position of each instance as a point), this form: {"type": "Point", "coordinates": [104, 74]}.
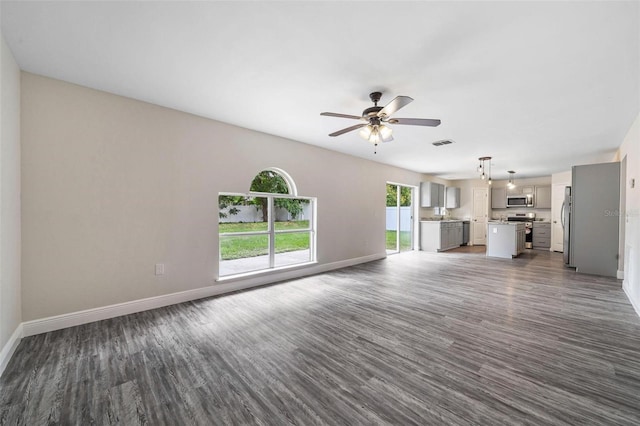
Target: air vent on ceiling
{"type": "Point", "coordinates": [442, 142]}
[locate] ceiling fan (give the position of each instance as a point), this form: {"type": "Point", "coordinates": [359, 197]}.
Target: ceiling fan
{"type": "Point", "coordinates": [374, 119]}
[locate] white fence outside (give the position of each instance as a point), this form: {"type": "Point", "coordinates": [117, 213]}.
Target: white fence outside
{"type": "Point", "coordinates": [405, 218]}
{"type": "Point", "coordinates": [254, 214]}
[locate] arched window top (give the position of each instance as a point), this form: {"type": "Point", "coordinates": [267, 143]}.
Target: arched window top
{"type": "Point", "coordinates": [274, 181]}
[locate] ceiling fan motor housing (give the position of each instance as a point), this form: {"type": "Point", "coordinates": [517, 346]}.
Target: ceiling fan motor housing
{"type": "Point", "coordinates": [374, 121]}
{"type": "Point", "coordinates": [371, 112]}
{"type": "Point", "coordinates": [374, 110]}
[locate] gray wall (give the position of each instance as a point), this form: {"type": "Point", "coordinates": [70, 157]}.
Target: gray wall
{"type": "Point", "coordinates": [112, 186]}
{"type": "Point", "coordinates": [630, 205]}
{"type": "Point", "coordinates": [10, 291]}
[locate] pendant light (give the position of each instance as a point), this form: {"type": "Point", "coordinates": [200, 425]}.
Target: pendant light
{"type": "Point", "coordinates": [511, 183]}
{"type": "Point", "coordinates": [482, 168]}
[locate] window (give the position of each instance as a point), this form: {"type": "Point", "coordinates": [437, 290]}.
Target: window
{"type": "Point", "coordinates": [270, 227]}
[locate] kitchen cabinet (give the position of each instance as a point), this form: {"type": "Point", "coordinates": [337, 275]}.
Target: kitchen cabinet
{"type": "Point", "coordinates": [431, 194]}
{"type": "Point", "coordinates": [444, 238]}
{"type": "Point", "coordinates": [440, 235]}
{"type": "Point", "coordinates": [498, 198]}
{"type": "Point", "coordinates": [455, 234]}
{"type": "Point", "coordinates": [521, 190]}
{"type": "Point", "coordinates": [542, 199]}
{"type": "Point", "coordinates": [453, 197]}
{"type": "Point", "coordinates": [541, 235]}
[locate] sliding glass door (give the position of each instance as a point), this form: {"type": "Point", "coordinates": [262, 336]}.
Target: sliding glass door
{"type": "Point", "coordinates": [399, 218]}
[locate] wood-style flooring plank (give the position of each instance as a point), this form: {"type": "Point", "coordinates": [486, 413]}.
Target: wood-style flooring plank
{"type": "Point", "coordinates": [419, 338]}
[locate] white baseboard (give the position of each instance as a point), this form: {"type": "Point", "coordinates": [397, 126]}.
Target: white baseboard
{"type": "Point", "coordinates": [634, 303]}
{"type": "Point", "coordinates": [45, 325]}
{"type": "Point", "coordinates": [620, 275]}
{"type": "Point", "coordinates": [7, 351]}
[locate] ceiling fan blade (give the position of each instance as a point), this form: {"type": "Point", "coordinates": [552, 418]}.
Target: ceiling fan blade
{"type": "Point", "coordinates": [347, 130]}
{"type": "Point", "coordinates": [415, 121]}
{"type": "Point", "coordinates": [335, 114]}
{"type": "Point", "coordinates": [397, 103]}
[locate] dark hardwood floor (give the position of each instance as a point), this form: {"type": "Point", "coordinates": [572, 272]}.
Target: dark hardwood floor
{"type": "Point", "coordinates": [418, 338]}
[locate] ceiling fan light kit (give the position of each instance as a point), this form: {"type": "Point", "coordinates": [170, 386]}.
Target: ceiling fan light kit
{"type": "Point", "coordinates": [376, 133]}
{"type": "Point", "coordinates": [375, 118]}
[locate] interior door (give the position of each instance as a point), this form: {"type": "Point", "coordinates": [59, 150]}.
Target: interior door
{"type": "Point", "coordinates": [480, 216]}
{"type": "Point", "coordinates": [557, 232]}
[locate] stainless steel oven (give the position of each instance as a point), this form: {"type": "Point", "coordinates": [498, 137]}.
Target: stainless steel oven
{"type": "Point", "coordinates": [525, 200]}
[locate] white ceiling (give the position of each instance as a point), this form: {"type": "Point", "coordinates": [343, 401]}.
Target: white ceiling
{"type": "Point", "coordinates": [539, 86]}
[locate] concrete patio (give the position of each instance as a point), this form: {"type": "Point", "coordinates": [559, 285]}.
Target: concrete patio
{"type": "Point", "coordinates": [248, 264]}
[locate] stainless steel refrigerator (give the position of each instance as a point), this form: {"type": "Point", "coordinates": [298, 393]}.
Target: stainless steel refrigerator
{"type": "Point", "coordinates": [591, 214]}
{"type": "Point", "coordinates": [565, 220]}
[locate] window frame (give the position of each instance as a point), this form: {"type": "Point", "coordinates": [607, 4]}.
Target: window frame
{"type": "Point", "coordinates": [271, 232]}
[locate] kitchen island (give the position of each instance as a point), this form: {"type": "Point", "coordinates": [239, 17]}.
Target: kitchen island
{"type": "Point", "coordinates": [505, 239]}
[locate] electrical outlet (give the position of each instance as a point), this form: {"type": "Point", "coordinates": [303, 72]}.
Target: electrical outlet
{"type": "Point", "coordinates": [159, 268]}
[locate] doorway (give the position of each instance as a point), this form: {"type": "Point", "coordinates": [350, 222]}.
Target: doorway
{"type": "Point", "coordinates": [557, 228]}
{"type": "Point", "coordinates": [399, 218]}
{"type": "Point", "coordinates": [622, 217]}
{"type": "Point", "coordinates": [480, 216]}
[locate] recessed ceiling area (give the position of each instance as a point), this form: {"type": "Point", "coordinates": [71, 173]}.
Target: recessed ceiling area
{"type": "Point", "coordinates": [538, 86]}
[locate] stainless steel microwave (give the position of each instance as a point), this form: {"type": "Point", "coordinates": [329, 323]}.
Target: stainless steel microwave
{"type": "Point", "coordinates": [525, 200]}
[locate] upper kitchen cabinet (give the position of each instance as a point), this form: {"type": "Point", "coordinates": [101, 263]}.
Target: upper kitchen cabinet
{"type": "Point", "coordinates": [431, 194]}
{"type": "Point", "coordinates": [543, 197]}
{"type": "Point", "coordinates": [521, 190]}
{"type": "Point", "coordinates": [498, 198]}
{"type": "Point", "coordinates": [453, 198]}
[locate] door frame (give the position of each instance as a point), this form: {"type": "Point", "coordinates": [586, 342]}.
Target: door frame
{"type": "Point", "coordinates": [486, 214]}
{"type": "Point", "coordinates": [555, 209]}
{"type": "Point", "coordinates": [415, 212]}
{"type": "Point", "coordinates": [622, 218]}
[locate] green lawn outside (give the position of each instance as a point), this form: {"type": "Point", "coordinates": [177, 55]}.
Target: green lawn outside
{"type": "Point", "coordinates": [405, 240]}
{"type": "Point", "coordinates": [238, 247]}
{"type": "Point", "coordinates": [261, 226]}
